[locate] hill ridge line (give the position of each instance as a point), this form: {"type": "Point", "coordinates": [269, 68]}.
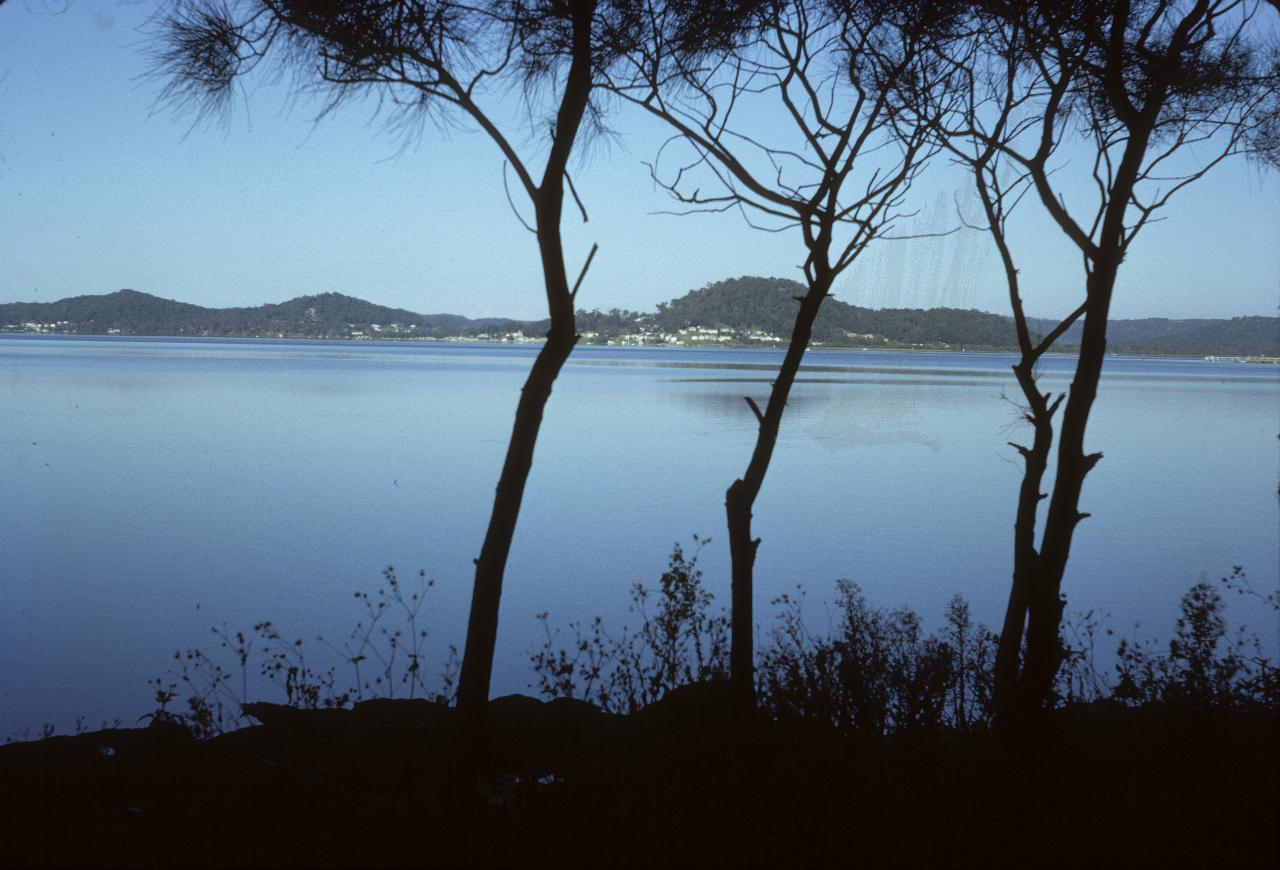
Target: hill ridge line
{"type": "Point", "coordinates": [748, 310]}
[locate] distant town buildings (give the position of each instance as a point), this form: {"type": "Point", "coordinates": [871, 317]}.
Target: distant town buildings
{"type": "Point", "coordinates": [690, 336]}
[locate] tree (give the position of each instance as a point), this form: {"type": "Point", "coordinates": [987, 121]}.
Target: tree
{"type": "Point", "coordinates": [1142, 82]}
{"type": "Point", "coordinates": [838, 173]}
{"type": "Point", "coordinates": [439, 56]}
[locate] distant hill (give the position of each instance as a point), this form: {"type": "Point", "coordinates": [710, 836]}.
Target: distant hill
{"type": "Point", "coordinates": [1239, 336]}
{"type": "Point", "coordinates": [769, 304]}
{"type": "Point", "coordinates": [746, 310]}
{"type": "Point", "coordinates": [148, 313]}
{"type": "Point", "coordinates": [326, 315]}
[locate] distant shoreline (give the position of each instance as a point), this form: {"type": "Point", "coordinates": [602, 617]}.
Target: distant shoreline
{"type": "Point", "coordinates": [537, 342]}
{"type": "Point", "coordinates": [748, 312]}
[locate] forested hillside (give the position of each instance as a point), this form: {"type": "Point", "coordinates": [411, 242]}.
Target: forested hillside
{"type": "Point", "coordinates": [746, 310]}
{"type": "Point", "coordinates": [769, 304]}
{"type": "Point", "coordinates": [325, 315]}
{"type": "Point", "coordinates": [1239, 336]}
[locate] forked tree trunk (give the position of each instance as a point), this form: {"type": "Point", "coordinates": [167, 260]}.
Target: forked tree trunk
{"type": "Point", "coordinates": [1044, 652]}
{"type": "Point", "coordinates": [1041, 594]}
{"type": "Point", "coordinates": [1025, 555]}
{"type": "Point", "coordinates": [1040, 411]}
{"type": "Point", "coordinates": [741, 496]}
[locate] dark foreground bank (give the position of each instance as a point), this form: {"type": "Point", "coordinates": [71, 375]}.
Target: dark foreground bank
{"type": "Point", "coordinates": [568, 785]}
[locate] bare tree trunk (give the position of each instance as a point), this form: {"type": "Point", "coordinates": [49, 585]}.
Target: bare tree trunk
{"type": "Point", "coordinates": [1045, 605]}
{"type": "Point", "coordinates": [482, 625]}
{"type": "Point", "coordinates": [1025, 556]}
{"type": "Point", "coordinates": [1045, 652]}
{"type": "Point", "coordinates": [741, 496]}
{"type": "Point", "coordinates": [1118, 41]}
{"type": "Point", "coordinates": [1040, 411]}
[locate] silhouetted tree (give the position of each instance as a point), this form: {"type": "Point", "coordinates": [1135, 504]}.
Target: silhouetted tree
{"type": "Point", "coordinates": [460, 58]}
{"type": "Point", "coordinates": [819, 155]}
{"type": "Point", "coordinates": [1141, 82]}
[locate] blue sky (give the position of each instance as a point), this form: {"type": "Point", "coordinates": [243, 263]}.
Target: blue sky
{"type": "Point", "coordinates": [101, 189]}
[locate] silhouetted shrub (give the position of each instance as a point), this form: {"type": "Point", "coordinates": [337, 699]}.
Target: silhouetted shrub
{"type": "Point", "coordinates": [386, 660]}
{"type": "Point", "coordinates": [972, 688]}
{"type": "Point", "coordinates": [1203, 668]}
{"type": "Point", "coordinates": [1079, 679]}
{"type": "Point", "coordinates": [678, 641]}
{"type": "Point", "coordinates": [872, 671]}
{"type": "Point", "coordinates": [876, 672]}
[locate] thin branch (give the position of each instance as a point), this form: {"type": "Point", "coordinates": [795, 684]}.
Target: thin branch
{"type": "Point", "coordinates": [515, 211]}
{"type": "Point", "coordinates": [573, 190]}
{"type": "Point", "coordinates": [1058, 330]}
{"type": "Point", "coordinates": [573, 294]}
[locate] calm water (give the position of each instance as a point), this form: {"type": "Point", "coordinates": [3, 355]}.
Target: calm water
{"type": "Point", "coordinates": [154, 488]}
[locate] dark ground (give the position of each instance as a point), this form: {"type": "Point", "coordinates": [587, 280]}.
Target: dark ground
{"type": "Point", "coordinates": [672, 785]}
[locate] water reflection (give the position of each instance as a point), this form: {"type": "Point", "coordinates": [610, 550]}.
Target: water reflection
{"type": "Point", "coordinates": [865, 418]}
{"type": "Point", "coordinates": [270, 481]}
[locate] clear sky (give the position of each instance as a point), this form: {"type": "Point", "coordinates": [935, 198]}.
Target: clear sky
{"type": "Point", "coordinates": [100, 189]}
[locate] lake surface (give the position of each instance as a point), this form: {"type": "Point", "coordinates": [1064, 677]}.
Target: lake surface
{"type": "Point", "coordinates": [153, 488]}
